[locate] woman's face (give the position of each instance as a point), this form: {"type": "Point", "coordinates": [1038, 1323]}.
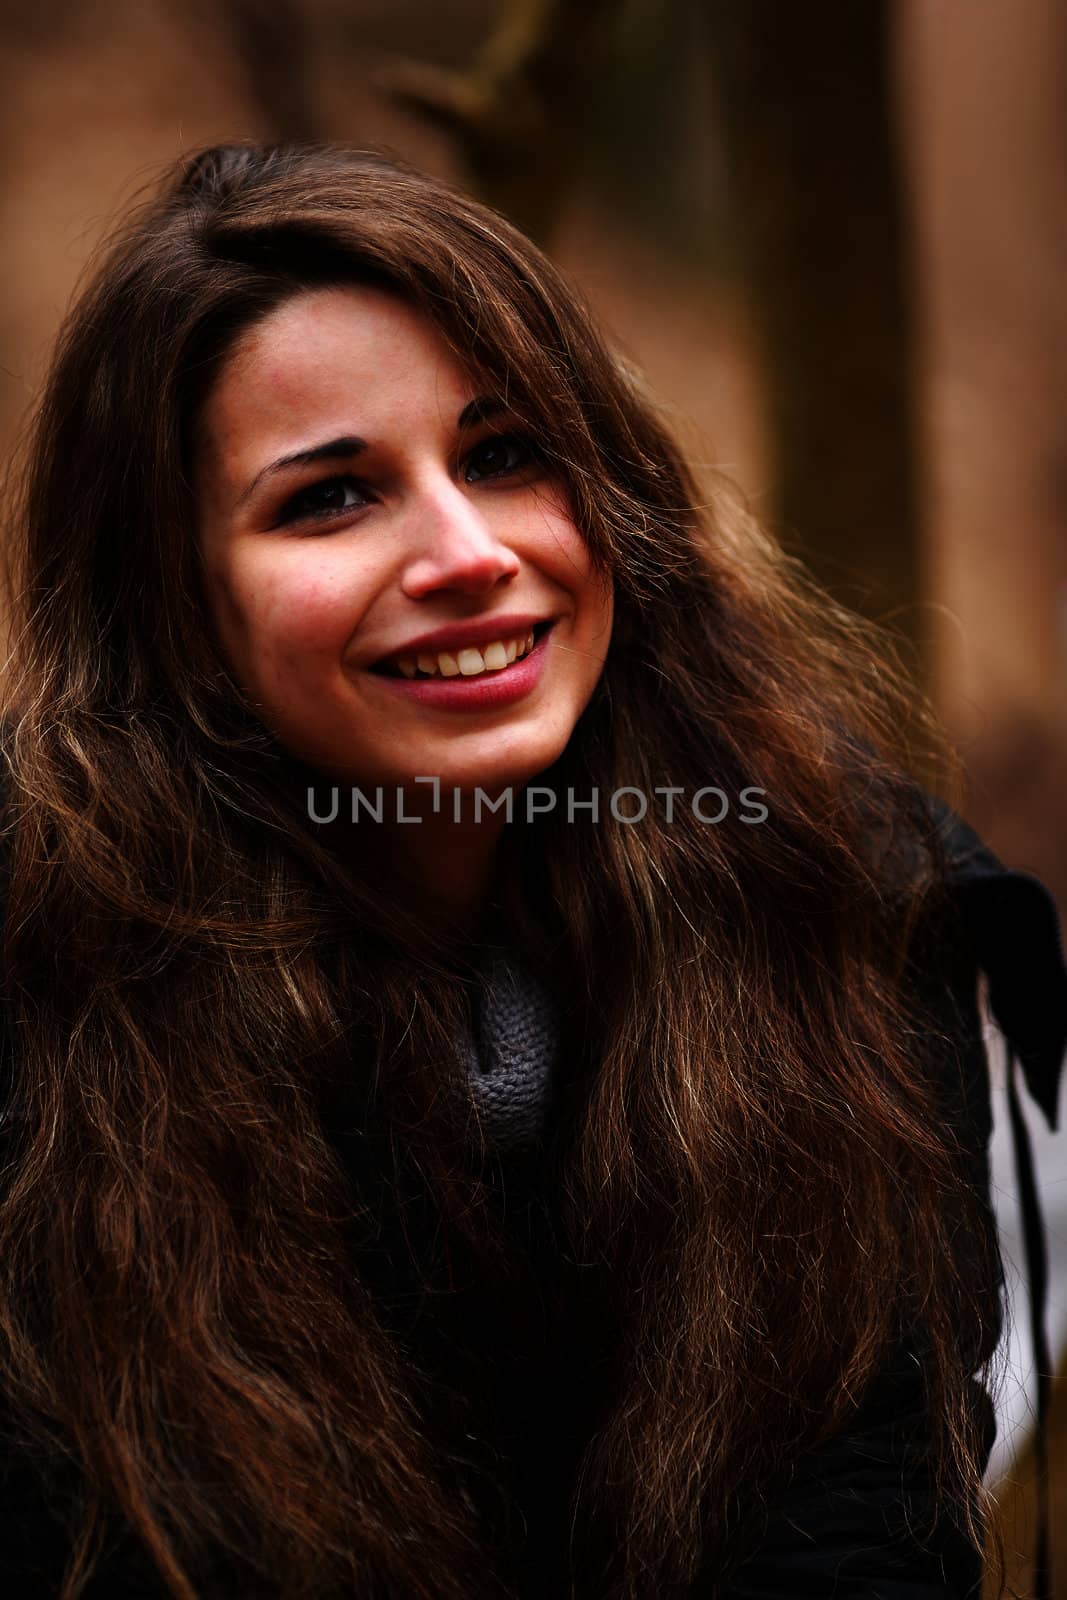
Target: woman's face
{"type": "Point", "coordinates": [356, 494]}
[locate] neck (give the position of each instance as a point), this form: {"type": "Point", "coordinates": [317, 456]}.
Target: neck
{"type": "Point", "coordinates": [446, 869]}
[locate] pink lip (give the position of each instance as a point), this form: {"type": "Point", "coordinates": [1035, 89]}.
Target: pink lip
{"type": "Point", "coordinates": [457, 634]}
{"type": "Point", "coordinates": [484, 692]}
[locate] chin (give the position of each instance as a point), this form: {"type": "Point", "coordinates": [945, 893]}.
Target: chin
{"type": "Point", "coordinates": [496, 780]}
{"type": "Point", "coordinates": [513, 763]}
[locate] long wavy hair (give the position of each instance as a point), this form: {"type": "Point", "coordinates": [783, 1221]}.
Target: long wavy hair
{"type": "Point", "coordinates": [241, 1160]}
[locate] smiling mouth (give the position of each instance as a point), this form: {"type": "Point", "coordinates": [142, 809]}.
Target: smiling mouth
{"type": "Point", "coordinates": [391, 669]}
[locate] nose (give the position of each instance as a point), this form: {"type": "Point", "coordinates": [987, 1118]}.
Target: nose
{"type": "Point", "coordinates": [453, 545]}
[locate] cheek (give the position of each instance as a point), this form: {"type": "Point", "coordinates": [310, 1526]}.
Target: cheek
{"type": "Point", "coordinates": [285, 610]}
{"type": "Point", "coordinates": [594, 593]}
{"type": "Point", "coordinates": [559, 548]}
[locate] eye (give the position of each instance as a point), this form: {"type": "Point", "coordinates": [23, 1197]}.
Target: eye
{"type": "Point", "coordinates": [500, 456]}
{"type": "Point", "coordinates": [328, 498]}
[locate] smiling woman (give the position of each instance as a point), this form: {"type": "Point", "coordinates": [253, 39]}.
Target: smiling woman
{"type": "Point", "coordinates": [447, 1205]}
{"type": "Point", "coordinates": [321, 584]}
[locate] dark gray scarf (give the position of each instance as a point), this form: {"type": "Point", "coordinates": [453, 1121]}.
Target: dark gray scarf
{"type": "Point", "coordinates": [514, 1049]}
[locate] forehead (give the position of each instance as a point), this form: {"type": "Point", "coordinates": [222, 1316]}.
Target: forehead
{"type": "Point", "coordinates": [347, 346]}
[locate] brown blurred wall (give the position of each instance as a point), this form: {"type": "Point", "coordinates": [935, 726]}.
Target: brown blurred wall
{"type": "Point", "coordinates": [984, 123]}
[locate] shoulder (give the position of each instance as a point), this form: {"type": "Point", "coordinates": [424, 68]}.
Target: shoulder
{"type": "Point", "coordinates": [1003, 922]}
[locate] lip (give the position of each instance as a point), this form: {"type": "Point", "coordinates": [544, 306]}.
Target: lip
{"type": "Point", "coordinates": [486, 691]}
{"type": "Point", "coordinates": [477, 631]}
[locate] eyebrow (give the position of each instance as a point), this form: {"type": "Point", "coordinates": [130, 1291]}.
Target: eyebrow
{"type": "Point", "coordinates": [349, 445]}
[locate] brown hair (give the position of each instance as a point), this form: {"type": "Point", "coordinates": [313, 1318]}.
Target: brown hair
{"type": "Point", "coordinates": [753, 1166]}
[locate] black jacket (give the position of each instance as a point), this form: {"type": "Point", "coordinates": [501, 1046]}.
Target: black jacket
{"type": "Point", "coordinates": [840, 1524]}
{"type": "Point", "coordinates": [841, 1527]}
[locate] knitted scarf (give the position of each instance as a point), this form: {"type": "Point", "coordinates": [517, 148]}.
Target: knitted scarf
{"type": "Point", "coordinates": [513, 1049]}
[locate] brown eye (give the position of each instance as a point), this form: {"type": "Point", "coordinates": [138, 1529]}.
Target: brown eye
{"type": "Point", "coordinates": [504, 453]}
{"type": "Point", "coordinates": [326, 499]}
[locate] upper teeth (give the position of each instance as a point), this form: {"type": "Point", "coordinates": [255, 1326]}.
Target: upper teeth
{"type": "Point", "coordinates": [469, 661]}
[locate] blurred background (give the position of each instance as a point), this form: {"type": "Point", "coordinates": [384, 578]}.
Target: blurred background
{"type": "Point", "coordinates": [833, 234]}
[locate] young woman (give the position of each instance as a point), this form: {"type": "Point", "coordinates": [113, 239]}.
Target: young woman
{"type": "Point", "coordinates": [496, 1101]}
